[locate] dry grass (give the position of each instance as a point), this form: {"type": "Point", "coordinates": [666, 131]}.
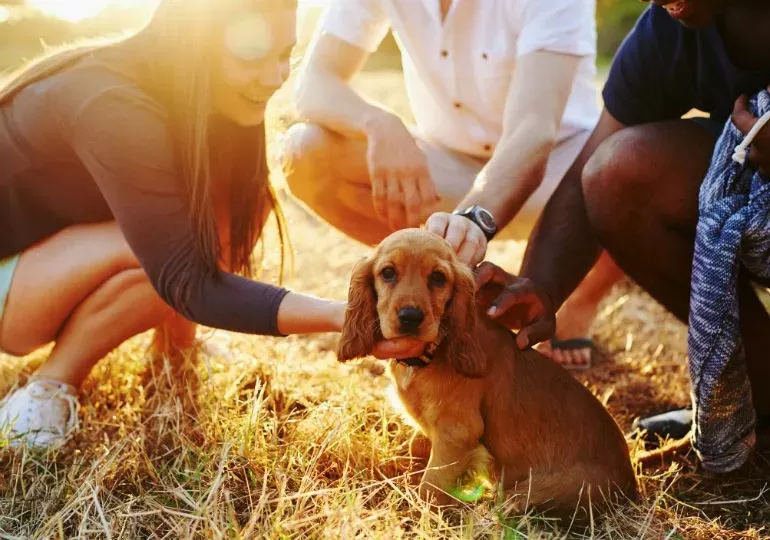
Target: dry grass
{"type": "Point", "coordinates": [275, 439]}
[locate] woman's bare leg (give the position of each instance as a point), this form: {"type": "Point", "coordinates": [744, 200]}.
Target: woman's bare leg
{"type": "Point", "coordinates": [83, 289]}
{"type": "Point", "coordinates": [122, 307]}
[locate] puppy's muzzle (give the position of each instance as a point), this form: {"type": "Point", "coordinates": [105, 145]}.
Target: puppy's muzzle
{"type": "Point", "coordinates": [409, 320]}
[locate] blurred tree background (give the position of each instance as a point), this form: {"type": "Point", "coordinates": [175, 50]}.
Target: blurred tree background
{"type": "Point", "coordinates": [25, 32]}
{"type": "Point", "coordinates": [614, 18]}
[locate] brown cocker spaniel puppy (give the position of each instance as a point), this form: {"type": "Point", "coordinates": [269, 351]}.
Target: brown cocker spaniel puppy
{"type": "Point", "coordinates": [484, 404]}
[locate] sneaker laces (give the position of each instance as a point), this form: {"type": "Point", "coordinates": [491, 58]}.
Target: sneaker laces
{"type": "Point", "coordinates": [51, 389]}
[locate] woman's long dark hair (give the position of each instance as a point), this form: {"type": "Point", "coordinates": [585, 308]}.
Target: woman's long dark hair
{"type": "Point", "coordinates": [175, 54]}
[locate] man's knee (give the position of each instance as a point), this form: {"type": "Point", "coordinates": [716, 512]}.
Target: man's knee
{"type": "Point", "coordinates": [306, 151]}
{"type": "Point", "coordinates": [614, 178]}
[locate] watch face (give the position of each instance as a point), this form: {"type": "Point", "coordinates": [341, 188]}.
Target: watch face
{"type": "Point", "coordinates": [486, 219]}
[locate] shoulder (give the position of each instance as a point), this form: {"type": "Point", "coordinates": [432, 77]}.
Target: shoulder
{"type": "Point", "coordinates": [658, 47]}
{"type": "Point", "coordinates": [92, 87]}
{"type": "Point", "coordinates": [657, 31]}
{"type": "Point", "coordinates": [561, 26]}
{"type": "Point", "coordinates": [362, 23]}
{"type": "Point", "coordinates": [648, 78]}
{"type": "Point", "coordinates": [112, 123]}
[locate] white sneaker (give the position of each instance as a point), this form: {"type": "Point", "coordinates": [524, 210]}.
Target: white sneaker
{"type": "Point", "coordinates": [42, 414]}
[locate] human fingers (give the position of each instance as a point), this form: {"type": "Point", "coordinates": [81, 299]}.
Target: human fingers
{"type": "Point", "coordinates": [395, 204]}
{"type": "Point", "coordinates": [742, 117]}
{"type": "Point", "coordinates": [412, 201]}
{"type": "Point", "coordinates": [456, 231]}
{"type": "Point", "coordinates": [473, 247]}
{"type": "Point", "coordinates": [538, 331]}
{"type": "Point", "coordinates": [437, 223]}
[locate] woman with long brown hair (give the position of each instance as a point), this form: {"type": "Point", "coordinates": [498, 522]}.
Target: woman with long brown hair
{"type": "Point", "coordinates": [133, 189]}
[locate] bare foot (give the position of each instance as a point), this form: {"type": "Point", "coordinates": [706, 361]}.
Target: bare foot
{"type": "Point", "coordinates": [573, 323]}
{"type": "Point", "coordinates": [573, 348]}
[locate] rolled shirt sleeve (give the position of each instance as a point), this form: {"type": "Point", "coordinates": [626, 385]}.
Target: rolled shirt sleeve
{"type": "Point", "coordinates": [560, 26]}
{"type": "Point", "coordinates": [362, 23]}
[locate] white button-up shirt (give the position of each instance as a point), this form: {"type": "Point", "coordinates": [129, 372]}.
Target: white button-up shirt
{"type": "Point", "coordinates": [458, 72]}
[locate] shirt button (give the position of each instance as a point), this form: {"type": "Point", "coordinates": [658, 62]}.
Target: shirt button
{"type": "Point", "coordinates": [458, 105]}
{"type": "Point", "coordinates": [487, 147]}
{"type": "Point", "coordinates": [484, 56]}
{"type": "Point", "coordinates": [444, 53]}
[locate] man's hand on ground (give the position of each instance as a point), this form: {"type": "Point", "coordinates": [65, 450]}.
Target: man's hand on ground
{"type": "Point", "coordinates": [403, 192]}
{"type": "Point", "coordinates": [465, 237]}
{"type": "Point", "coordinates": [744, 120]}
{"type": "Point", "coordinates": [517, 303]}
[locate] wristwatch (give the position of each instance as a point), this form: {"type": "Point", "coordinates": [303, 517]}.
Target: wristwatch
{"type": "Point", "coordinates": [481, 217]}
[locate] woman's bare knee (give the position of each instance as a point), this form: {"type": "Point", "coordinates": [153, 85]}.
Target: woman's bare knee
{"type": "Point", "coordinates": [54, 276]}
{"type": "Point", "coordinates": [127, 286]}
{"type": "Point", "coordinates": [134, 285]}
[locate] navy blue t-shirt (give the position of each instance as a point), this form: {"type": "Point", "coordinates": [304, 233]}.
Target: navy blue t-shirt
{"type": "Point", "coordinates": [664, 69]}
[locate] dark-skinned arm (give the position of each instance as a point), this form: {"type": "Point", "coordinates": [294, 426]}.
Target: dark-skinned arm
{"type": "Point", "coordinates": [561, 251]}
{"type": "Point", "coordinates": [563, 246]}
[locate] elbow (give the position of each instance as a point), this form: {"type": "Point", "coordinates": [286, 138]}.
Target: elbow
{"type": "Point", "coordinates": [541, 151]}
{"type": "Point", "coordinates": [531, 144]}
{"type": "Point", "coordinates": [531, 139]}
{"type": "Point", "coordinates": [541, 136]}
{"type": "Point", "coordinates": [176, 289]}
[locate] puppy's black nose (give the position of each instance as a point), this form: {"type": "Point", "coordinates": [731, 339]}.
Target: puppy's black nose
{"type": "Point", "coordinates": [410, 319]}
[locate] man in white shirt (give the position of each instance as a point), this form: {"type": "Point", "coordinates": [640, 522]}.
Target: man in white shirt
{"type": "Point", "coordinates": [503, 95]}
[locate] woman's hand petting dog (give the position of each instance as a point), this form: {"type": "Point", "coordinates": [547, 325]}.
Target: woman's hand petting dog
{"type": "Point", "coordinates": [398, 348]}
{"type": "Point", "coordinates": [516, 303]}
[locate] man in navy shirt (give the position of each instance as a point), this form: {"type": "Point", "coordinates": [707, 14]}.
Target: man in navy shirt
{"type": "Point", "coordinates": [634, 189]}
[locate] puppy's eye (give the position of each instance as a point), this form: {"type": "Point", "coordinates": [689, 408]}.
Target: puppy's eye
{"type": "Point", "coordinates": [437, 279]}
{"type": "Point", "coordinates": [389, 274]}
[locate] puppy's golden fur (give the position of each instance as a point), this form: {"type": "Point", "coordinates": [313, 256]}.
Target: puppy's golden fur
{"type": "Point", "coordinates": [482, 402]}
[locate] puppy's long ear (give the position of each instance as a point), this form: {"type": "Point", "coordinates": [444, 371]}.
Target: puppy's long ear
{"type": "Point", "coordinates": [465, 351]}
{"type": "Point", "coordinates": [362, 326]}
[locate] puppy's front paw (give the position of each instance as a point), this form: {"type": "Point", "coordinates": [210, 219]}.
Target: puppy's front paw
{"type": "Point", "coordinates": [419, 447]}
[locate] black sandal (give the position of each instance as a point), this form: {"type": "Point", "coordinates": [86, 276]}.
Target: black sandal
{"type": "Point", "coordinates": [673, 425]}
{"type": "Point", "coordinates": [572, 345]}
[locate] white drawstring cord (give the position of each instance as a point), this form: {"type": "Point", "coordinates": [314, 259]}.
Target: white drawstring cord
{"type": "Point", "coordinates": [739, 155]}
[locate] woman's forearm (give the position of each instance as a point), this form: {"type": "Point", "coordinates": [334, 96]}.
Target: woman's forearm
{"type": "Point", "coordinates": [303, 314]}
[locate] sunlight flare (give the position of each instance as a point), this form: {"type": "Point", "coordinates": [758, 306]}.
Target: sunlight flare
{"type": "Point", "coordinates": [76, 11]}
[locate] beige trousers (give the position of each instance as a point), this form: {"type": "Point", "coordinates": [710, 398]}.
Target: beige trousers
{"type": "Point", "coordinates": [453, 174]}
